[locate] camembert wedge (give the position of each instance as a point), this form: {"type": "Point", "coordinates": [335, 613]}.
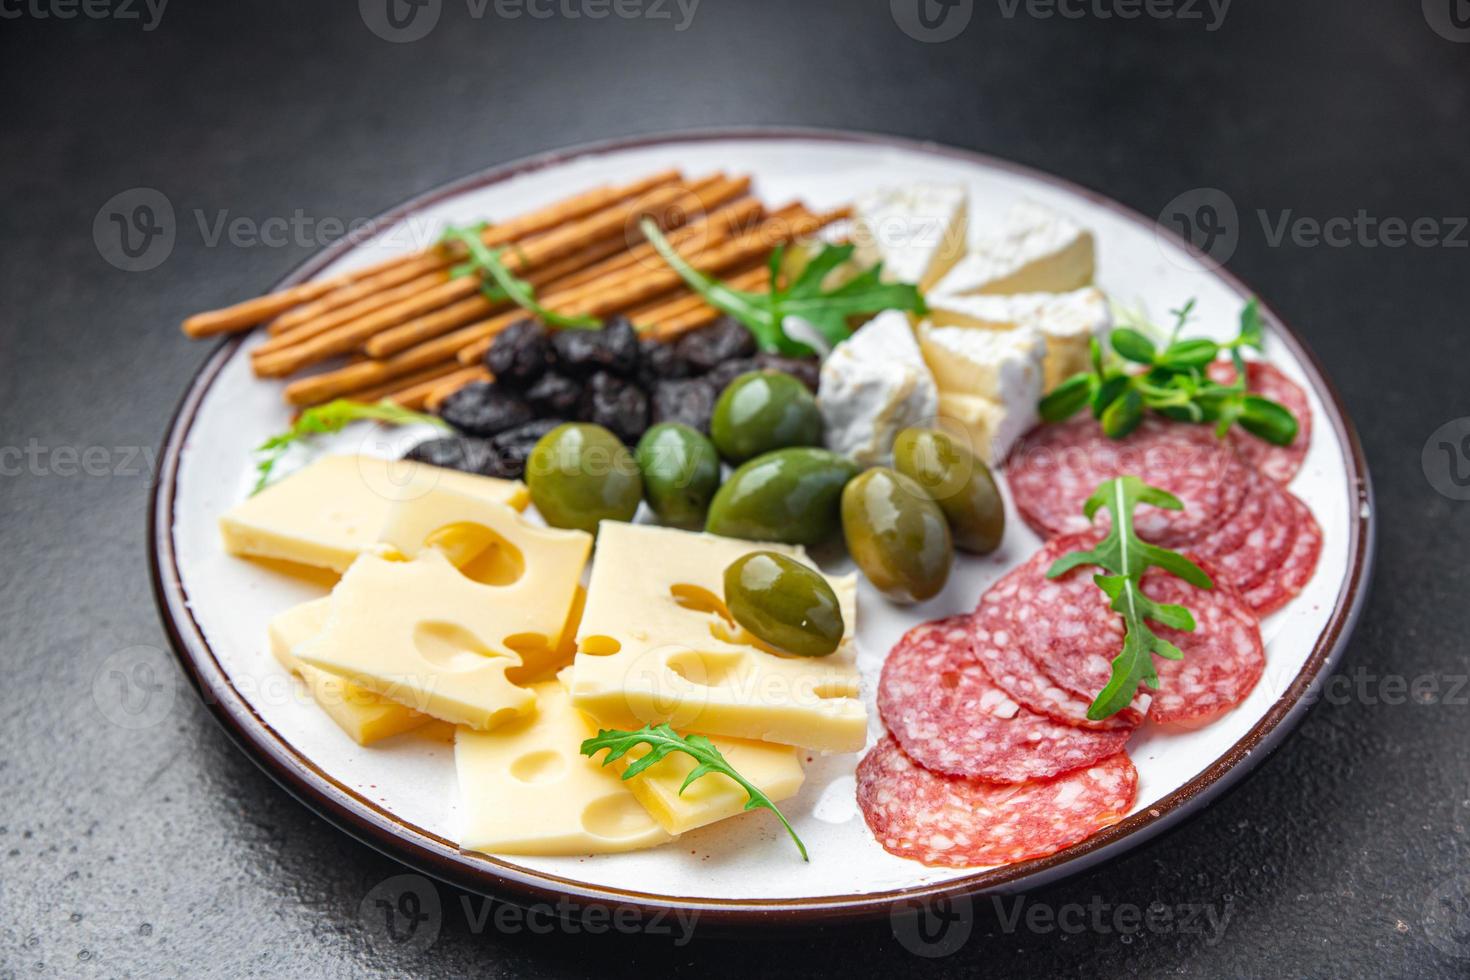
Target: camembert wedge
{"type": "Point", "coordinates": [1036, 250]}
{"type": "Point", "coordinates": [989, 381]}
{"type": "Point", "coordinates": [918, 231]}
{"type": "Point", "coordinates": [1068, 322]}
{"type": "Point", "coordinates": [873, 385]}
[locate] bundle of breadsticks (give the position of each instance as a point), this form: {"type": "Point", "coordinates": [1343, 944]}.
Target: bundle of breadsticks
{"type": "Point", "coordinates": [411, 330]}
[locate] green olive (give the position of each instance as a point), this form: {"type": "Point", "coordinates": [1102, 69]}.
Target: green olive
{"type": "Point", "coordinates": [789, 495]}
{"type": "Point", "coordinates": [786, 604]}
{"type": "Point", "coordinates": [897, 535]}
{"type": "Point", "coordinates": [681, 472]}
{"type": "Point", "coordinates": [764, 410]}
{"type": "Point", "coordinates": [961, 484]}
{"type": "Point", "coordinates": [580, 474]}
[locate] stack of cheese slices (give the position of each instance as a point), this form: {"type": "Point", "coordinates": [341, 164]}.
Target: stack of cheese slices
{"type": "Point", "coordinates": [457, 617]}
{"type": "Point", "coordinates": [1012, 311]}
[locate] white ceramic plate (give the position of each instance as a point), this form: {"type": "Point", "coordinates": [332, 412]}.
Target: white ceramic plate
{"type": "Point", "coordinates": [401, 795]}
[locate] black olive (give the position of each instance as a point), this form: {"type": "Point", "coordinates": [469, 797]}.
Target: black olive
{"type": "Point", "coordinates": [512, 448]}
{"type": "Point", "coordinates": [616, 404]}
{"type": "Point", "coordinates": [584, 352]}
{"type": "Point", "coordinates": [807, 370]}
{"type": "Point", "coordinates": [520, 354]}
{"type": "Point", "coordinates": [690, 401]}
{"type": "Point", "coordinates": [452, 452]}
{"type": "Point", "coordinates": [661, 362]}
{"type": "Point", "coordinates": [708, 347]}
{"type": "Point", "coordinates": [554, 394]}
{"type": "Point", "coordinates": [724, 373]}
{"type": "Point", "coordinates": [484, 408]}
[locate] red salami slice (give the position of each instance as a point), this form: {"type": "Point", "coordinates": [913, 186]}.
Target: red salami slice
{"type": "Point", "coordinates": [1232, 534]}
{"type": "Point", "coordinates": [1223, 656]}
{"type": "Point", "coordinates": [948, 715]}
{"type": "Point", "coordinates": [1056, 468]}
{"type": "Point", "coordinates": [1264, 548]}
{"type": "Point", "coordinates": [949, 821]}
{"type": "Point", "coordinates": [998, 646]}
{"type": "Point", "coordinates": [1287, 579]}
{"type": "Point", "coordinates": [1280, 463]}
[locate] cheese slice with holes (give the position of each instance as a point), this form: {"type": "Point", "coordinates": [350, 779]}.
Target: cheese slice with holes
{"type": "Point", "coordinates": [917, 231]}
{"type": "Point", "coordinates": [330, 512]}
{"type": "Point", "coordinates": [492, 544]}
{"type": "Point", "coordinates": [1068, 322]}
{"type": "Point", "coordinates": [365, 717]}
{"type": "Point", "coordinates": [1035, 250]}
{"type": "Point", "coordinates": [526, 788]}
{"type": "Point", "coordinates": [657, 645]}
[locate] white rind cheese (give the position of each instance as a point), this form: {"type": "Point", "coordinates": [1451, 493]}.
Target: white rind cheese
{"type": "Point", "coordinates": [873, 385]}
{"type": "Point", "coordinates": [1036, 250]}
{"type": "Point", "coordinates": [989, 381]}
{"type": "Point", "coordinates": [918, 231]}
{"type": "Point", "coordinates": [1067, 321]}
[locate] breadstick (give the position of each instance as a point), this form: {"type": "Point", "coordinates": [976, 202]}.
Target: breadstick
{"type": "Point", "coordinates": [449, 385]}
{"type": "Point", "coordinates": [658, 311]}
{"type": "Point", "coordinates": [351, 294]}
{"type": "Point", "coordinates": [346, 314]}
{"type": "Point", "coordinates": [416, 395]}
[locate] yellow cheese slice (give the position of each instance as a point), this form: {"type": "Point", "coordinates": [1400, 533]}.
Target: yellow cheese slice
{"type": "Point", "coordinates": [363, 715]}
{"type": "Point", "coordinates": [422, 634]}
{"type": "Point", "coordinates": [525, 788]}
{"type": "Point", "coordinates": [657, 645]}
{"type": "Point", "coordinates": [331, 511]}
{"type": "Point", "coordinates": [493, 545]}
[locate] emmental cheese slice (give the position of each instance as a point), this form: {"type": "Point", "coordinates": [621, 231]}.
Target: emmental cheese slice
{"type": "Point", "coordinates": [1068, 322]}
{"type": "Point", "coordinates": [525, 788]}
{"type": "Point", "coordinates": [422, 634]}
{"type": "Point", "coordinates": [873, 385]}
{"type": "Point", "coordinates": [656, 644]}
{"type": "Point", "coordinates": [328, 513]}
{"type": "Point", "coordinates": [1036, 250]}
{"type": "Point", "coordinates": [918, 232]}
{"type": "Point", "coordinates": [365, 717]}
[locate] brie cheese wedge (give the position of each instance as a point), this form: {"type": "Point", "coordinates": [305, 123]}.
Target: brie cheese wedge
{"type": "Point", "coordinates": [1068, 322]}
{"type": "Point", "coordinates": [1036, 250]}
{"type": "Point", "coordinates": [918, 232]}
{"type": "Point", "coordinates": [873, 385]}
{"type": "Point", "coordinates": [989, 381]}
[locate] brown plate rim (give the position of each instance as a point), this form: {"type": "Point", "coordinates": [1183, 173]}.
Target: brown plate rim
{"type": "Point", "coordinates": [440, 858]}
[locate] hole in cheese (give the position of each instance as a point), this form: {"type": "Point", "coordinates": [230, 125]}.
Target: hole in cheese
{"type": "Point", "coordinates": [615, 817]}
{"type": "Point", "coordinates": [479, 553]}
{"type": "Point", "coordinates": [539, 767]}
{"type": "Point", "coordinates": [702, 600]}
{"type": "Point", "coordinates": [450, 646]}
{"type": "Point", "coordinates": [599, 646]}
{"type": "Point", "coordinates": [704, 669]}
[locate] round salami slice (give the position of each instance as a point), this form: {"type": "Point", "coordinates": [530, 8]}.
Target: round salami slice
{"type": "Point", "coordinates": [1232, 533]}
{"type": "Point", "coordinates": [939, 703]}
{"type": "Point", "coordinates": [1223, 655]}
{"type": "Point", "coordinates": [998, 647]}
{"type": "Point", "coordinates": [1065, 624]}
{"type": "Point", "coordinates": [1280, 463]}
{"type": "Point", "coordinates": [1057, 467]}
{"type": "Point", "coordinates": [1288, 578]}
{"type": "Point", "coordinates": [1263, 548]}
{"type": "Point", "coordinates": [949, 821]}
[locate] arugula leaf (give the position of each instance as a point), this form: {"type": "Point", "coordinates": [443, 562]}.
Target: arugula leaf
{"type": "Point", "coordinates": [486, 261]}
{"type": "Point", "coordinates": [1127, 557]}
{"type": "Point", "coordinates": [331, 417]}
{"type": "Point", "coordinates": [662, 741]}
{"type": "Point", "coordinates": [764, 314]}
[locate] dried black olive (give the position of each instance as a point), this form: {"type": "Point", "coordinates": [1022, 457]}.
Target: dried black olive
{"type": "Point", "coordinates": [724, 373]}
{"type": "Point", "coordinates": [452, 452]}
{"type": "Point", "coordinates": [584, 352]}
{"type": "Point", "coordinates": [708, 347]}
{"type": "Point", "coordinates": [520, 354]}
{"type": "Point", "coordinates": [617, 404]}
{"type": "Point", "coordinates": [807, 370]}
{"type": "Point", "coordinates": [512, 447]}
{"type": "Point", "coordinates": [554, 394]}
{"type": "Point", "coordinates": [660, 362]}
{"type": "Point", "coordinates": [690, 401]}
{"type": "Point", "coordinates": [484, 408]}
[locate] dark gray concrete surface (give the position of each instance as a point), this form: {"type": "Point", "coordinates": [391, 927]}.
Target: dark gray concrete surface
{"type": "Point", "coordinates": [164, 851]}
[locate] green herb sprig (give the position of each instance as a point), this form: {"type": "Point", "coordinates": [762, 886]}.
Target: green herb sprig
{"type": "Point", "coordinates": [1173, 382]}
{"type": "Point", "coordinates": [502, 284]}
{"type": "Point", "coordinates": [1127, 557]}
{"type": "Point", "coordinates": [764, 314]}
{"type": "Point", "coordinates": [663, 740]}
{"type": "Point", "coordinates": [334, 416]}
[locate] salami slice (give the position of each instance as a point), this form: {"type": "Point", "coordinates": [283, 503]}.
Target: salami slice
{"type": "Point", "coordinates": [998, 646]}
{"type": "Point", "coordinates": [1057, 467]}
{"type": "Point", "coordinates": [1232, 533]}
{"type": "Point", "coordinates": [944, 710]}
{"type": "Point", "coordinates": [1223, 655]}
{"type": "Point", "coordinates": [1280, 463]}
{"type": "Point", "coordinates": [949, 821]}
{"type": "Point", "coordinates": [1287, 579]}
{"type": "Point", "coordinates": [1263, 548]}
